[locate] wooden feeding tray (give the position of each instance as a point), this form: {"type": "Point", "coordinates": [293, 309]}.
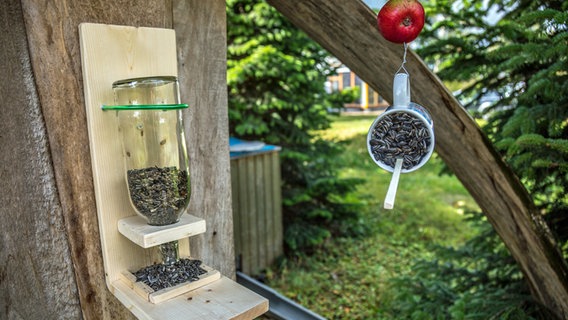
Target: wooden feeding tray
{"type": "Point", "coordinates": [110, 53]}
{"type": "Point", "coordinates": [221, 299]}
{"type": "Point", "coordinates": [144, 235]}
{"type": "Point", "coordinates": [149, 294]}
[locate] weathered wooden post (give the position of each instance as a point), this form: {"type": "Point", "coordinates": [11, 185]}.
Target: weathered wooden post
{"type": "Point", "coordinates": [51, 262]}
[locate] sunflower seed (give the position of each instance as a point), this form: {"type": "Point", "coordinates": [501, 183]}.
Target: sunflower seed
{"type": "Point", "coordinates": [400, 135]}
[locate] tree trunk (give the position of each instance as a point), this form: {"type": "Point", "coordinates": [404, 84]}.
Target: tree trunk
{"type": "Point", "coordinates": [348, 30]}
{"type": "Point", "coordinates": [36, 275]}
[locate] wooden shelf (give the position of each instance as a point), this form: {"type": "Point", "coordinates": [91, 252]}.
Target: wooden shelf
{"type": "Point", "coordinates": [138, 231]}
{"type": "Point", "coordinates": [222, 299]}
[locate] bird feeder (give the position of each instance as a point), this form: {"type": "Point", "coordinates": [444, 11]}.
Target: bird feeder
{"type": "Point", "coordinates": [401, 139]}
{"type": "Point", "coordinates": [156, 171]}
{"type": "Point", "coordinates": [153, 144]}
{"type": "Point", "coordinates": [141, 180]}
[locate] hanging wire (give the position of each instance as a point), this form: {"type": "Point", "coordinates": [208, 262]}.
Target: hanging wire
{"type": "Point", "coordinates": [403, 60]}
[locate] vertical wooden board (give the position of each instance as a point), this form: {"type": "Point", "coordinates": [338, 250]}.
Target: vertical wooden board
{"type": "Point", "coordinates": [269, 207]}
{"type": "Point", "coordinates": [277, 199]}
{"type": "Point", "coordinates": [252, 214]}
{"type": "Point", "coordinates": [261, 226]}
{"type": "Point", "coordinates": [202, 54]}
{"type": "Point", "coordinates": [244, 215]}
{"type": "Point", "coordinates": [236, 211]}
{"type": "Point", "coordinates": [111, 53]}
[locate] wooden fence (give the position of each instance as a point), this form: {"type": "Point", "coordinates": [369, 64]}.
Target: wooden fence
{"type": "Point", "coordinates": [257, 208]}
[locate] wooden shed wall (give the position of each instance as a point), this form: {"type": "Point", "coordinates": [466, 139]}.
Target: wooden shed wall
{"type": "Point", "coordinates": [257, 210]}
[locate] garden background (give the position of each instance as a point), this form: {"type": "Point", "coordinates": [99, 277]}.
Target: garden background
{"type": "Point", "coordinates": [434, 256]}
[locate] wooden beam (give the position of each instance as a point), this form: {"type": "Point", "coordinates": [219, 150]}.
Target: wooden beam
{"type": "Point", "coordinates": [348, 30]}
{"type": "Point", "coordinates": [36, 275]}
{"type": "Point", "coordinates": [51, 30]}
{"type": "Point", "coordinates": [202, 61]}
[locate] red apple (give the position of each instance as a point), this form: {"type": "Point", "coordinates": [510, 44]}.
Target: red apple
{"type": "Point", "coordinates": [401, 21]}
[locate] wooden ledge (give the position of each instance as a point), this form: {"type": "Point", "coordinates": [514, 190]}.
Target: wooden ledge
{"type": "Point", "coordinates": [138, 231]}
{"type": "Point", "coordinates": [162, 295]}
{"type": "Point", "coordinates": [221, 299]}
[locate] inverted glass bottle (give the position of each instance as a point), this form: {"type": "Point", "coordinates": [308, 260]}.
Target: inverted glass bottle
{"type": "Point", "coordinates": [155, 155]}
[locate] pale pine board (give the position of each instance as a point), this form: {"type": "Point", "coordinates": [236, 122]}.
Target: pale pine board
{"type": "Point", "coordinates": [138, 231]}
{"type": "Point", "coordinates": [222, 299]}
{"type": "Point", "coordinates": [110, 53]}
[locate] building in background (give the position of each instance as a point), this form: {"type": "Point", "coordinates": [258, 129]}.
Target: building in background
{"type": "Point", "coordinates": [368, 99]}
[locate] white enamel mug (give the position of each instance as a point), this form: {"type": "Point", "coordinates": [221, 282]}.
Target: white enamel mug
{"type": "Point", "coordinates": [401, 105]}
{"type": "Point", "coordinates": [401, 139]}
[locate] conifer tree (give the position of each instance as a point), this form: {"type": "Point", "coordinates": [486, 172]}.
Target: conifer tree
{"type": "Point", "coordinates": [515, 50]}
{"type": "Point", "coordinates": [276, 77]}
{"type": "Point", "coordinates": [509, 60]}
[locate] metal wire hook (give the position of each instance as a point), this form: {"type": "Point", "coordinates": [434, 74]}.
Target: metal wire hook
{"type": "Point", "coordinates": [403, 60]}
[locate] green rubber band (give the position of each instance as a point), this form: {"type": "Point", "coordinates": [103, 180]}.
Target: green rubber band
{"type": "Point", "coordinates": [146, 107]}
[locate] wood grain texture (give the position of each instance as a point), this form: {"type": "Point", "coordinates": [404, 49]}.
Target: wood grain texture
{"type": "Point", "coordinates": [216, 300]}
{"type": "Point", "coordinates": [44, 85]}
{"type": "Point", "coordinates": [35, 257]}
{"type": "Point", "coordinates": [354, 39]}
{"type": "Point", "coordinates": [140, 232]}
{"type": "Point", "coordinates": [51, 31]}
{"type": "Point", "coordinates": [110, 53]}
{"type": "Point", "coordinates": [201, 31]}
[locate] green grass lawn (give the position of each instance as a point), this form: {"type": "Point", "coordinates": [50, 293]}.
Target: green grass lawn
{"type": "Point", "coordinates": [350, 278]}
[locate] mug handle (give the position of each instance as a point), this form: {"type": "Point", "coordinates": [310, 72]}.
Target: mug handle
{"type": "Point", "coordinates": [401, 91]}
